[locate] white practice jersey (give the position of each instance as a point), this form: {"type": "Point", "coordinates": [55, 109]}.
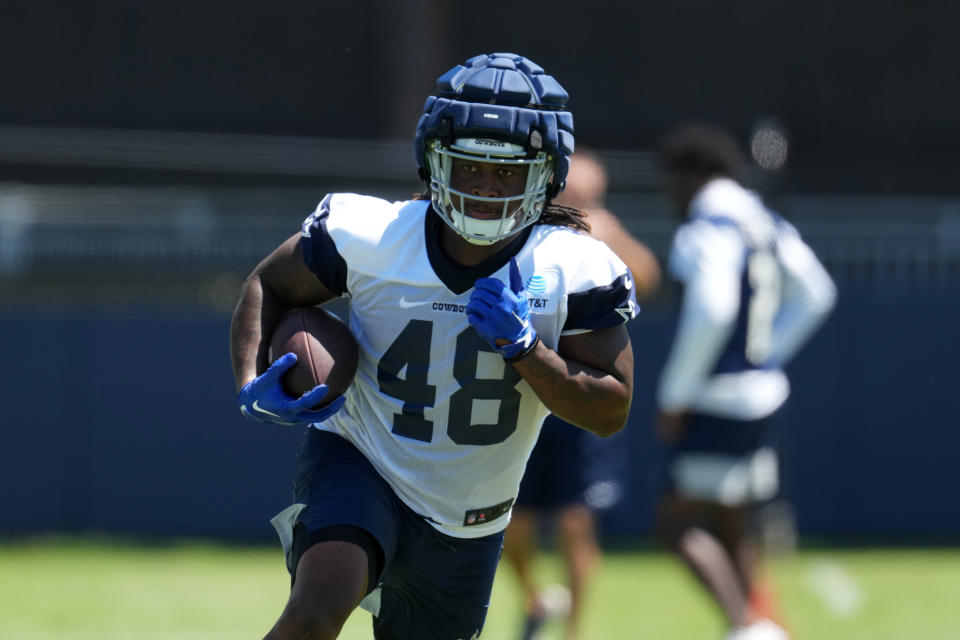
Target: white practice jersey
{"type": "Point", "coordinates": [753, 293]}
{"type": "Point", "coordinates": [437, 412]}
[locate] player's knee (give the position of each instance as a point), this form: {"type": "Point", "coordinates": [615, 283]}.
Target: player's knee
{"type": "Point", "coordinates": [692, 539]}
{"type": "Point", "coordinates": [309, 619]}
{"type": "Point", "coordinates": [310, 626]}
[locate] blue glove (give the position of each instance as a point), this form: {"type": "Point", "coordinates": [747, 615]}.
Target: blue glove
{"type": "Point", "coordinates": [497, 311]}
{"type": "Point", "coordinates": [263, 398]}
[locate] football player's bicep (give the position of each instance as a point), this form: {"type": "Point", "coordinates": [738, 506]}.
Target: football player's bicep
{"type": "Point", "coordinates": [285, 274]}
{"type": "Point", "coordinates": [606, 350]}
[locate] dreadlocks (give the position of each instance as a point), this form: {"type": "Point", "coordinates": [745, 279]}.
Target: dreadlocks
{"type": "Point", "coordinates": [563, 216]}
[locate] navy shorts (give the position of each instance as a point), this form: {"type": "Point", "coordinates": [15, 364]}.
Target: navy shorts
{"type": "Point", "coordinates": [570, 465]}
{"type": "Point", "coordinates": [432, 586]}
{"type": "Point", "coordinates": [723, 461]}
{"type": "Point", "coordinates": [710, 434]}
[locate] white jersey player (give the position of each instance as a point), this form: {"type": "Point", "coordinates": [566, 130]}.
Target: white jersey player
{"type": "Point", "coordinates": [431, 401]}
{"type": "Point", "coordinates": [479, 308]}
{"type": "Point", "coordinates": [753, 293]}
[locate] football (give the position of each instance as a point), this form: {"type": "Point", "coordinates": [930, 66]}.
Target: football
{"type": "Point", "coordinates": [327, 352]}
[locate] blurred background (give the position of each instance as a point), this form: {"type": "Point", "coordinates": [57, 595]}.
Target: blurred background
{"type": "Point", "coordinates": [151, 153]}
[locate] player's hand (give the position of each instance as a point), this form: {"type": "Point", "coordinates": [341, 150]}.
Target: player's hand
{"type": "Point", "coordinates": [263, 398]}
{"type": "Point", "coordinates": [501, 314]}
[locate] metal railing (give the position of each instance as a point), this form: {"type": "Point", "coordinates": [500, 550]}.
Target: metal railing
{"type": "Point", "coordinates": [166, 238]}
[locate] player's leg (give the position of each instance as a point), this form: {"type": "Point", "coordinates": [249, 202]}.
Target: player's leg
{"type": "Point", "coordinates": [337, 537]}
{"type": "Point", "coordinates": [331, 580]}
{"type": "Point", "coordinates": [687, 528]}
{"type": "Point", "coordinates": [522, 537]}
{"type": "Point", "coordinates": [764, 598]}
{"type": "Point", "coordinates": [578, 544]}
{"type": "Point", "coordinates": [732, 530]}
{"type": "Point", "coordinates": [520, 549]}
{"type": "Point", "coordinates": [737, 531]}
{"type": "Point", "coordinates": [718, 469]}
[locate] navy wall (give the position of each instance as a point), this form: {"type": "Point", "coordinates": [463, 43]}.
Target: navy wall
{"type": "Point", "coordinates": [123, 420]}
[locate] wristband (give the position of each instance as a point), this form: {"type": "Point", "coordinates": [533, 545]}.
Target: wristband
{"type": "Point", "coordinates": [525, 352]}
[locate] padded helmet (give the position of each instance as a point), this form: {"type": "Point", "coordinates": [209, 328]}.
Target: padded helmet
{"type": "Point", "coordinates": [499, 108]}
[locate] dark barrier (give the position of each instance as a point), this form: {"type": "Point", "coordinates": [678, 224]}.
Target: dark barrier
{"type": "Point", "coordinates": [870, 433]}
{"type": "Point", "coordinates": [123, 421]}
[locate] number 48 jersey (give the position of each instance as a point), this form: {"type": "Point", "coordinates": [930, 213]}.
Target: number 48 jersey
{"type": "Point", "coordinates": [433, 407]}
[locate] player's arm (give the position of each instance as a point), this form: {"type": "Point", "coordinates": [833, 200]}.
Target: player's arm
{"type": "Point", "coordinates": [588, 381]}
{"type": "Point", "coordinates": [708, 260]}
{"type": "Point", "coordinates": [280, 282]}
{"type": "Point", "coordinates": [809, 295]}
{"type": "Point", "coordinates": [707, 318]}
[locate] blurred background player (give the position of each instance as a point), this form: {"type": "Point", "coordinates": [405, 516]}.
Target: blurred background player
{"type": "Point", "coordinates": [753, 293]}
{"type": "Point", "coordinates": [571, 473]}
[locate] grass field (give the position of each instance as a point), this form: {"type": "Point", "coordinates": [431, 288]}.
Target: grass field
{"type": "Point", "coordinates": [96, 590]}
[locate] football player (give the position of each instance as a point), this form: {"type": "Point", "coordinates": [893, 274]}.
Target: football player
{"type": "Point", "coordinates": [480, 307]}
{"type": "Point", "coordinates": [753, 293]}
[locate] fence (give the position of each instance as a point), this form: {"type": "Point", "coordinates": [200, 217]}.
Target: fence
{"type": "Point", "coordinates": [119, 405]}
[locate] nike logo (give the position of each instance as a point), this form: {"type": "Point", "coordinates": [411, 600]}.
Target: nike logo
{"type": "Point", "coordinates": [257, 407]}
{"type": "Point", "coordinates": [404, 304]}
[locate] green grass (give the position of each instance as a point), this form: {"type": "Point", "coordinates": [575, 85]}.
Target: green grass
{"type": "Point", "coordinates": [69, 589]}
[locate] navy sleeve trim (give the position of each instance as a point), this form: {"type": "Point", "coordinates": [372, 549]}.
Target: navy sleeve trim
{"type": "Point", "coordinates": [600, 307]}
{"type": "Point", "coordinates": [320, 251]}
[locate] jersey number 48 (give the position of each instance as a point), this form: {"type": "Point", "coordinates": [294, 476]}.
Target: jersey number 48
{"type": "Point", "coordinates": [411, 349]}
